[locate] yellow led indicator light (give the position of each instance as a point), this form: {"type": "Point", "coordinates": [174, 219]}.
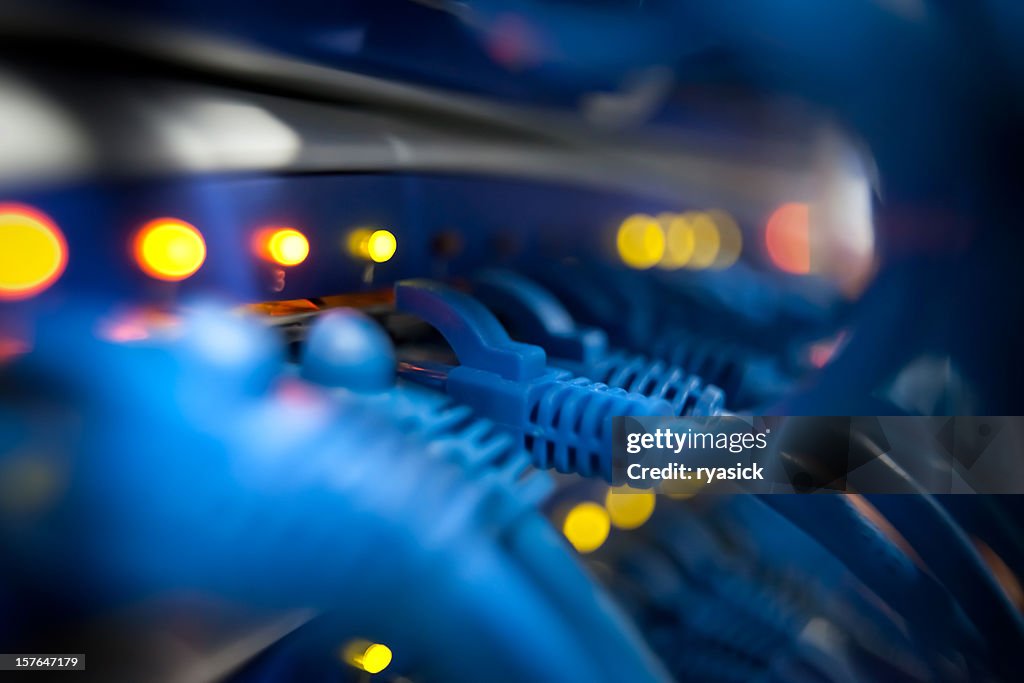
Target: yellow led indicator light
{"type": "Point", "coordinates": [629, 508]}
{"type": "Point", "coordinates": [33, 253]}
{"type": "Point", "coordinates": [586, 527]}
{"type": "Point", "coordinates": [169, 249]}
{"type": "Point", "coordinates": [373, 245]}
{"type": "Point", "coordinates": [640, 241]}
{"type": "Point", "coordinates": [381, 246]}
{"type": "Point", "coordinates": [366, 656]}
{"type": "Point", "coordinates": [283, 246]}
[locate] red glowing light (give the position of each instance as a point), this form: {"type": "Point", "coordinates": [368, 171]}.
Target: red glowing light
{"type": "Point", "coordinates": [12, 347]}
{"type": "Point", "coordinates": [514, 43]}
{"type": "Point", "coordinates": [787, 237]}
{"type": "Point", "coordinates": [822, 353]}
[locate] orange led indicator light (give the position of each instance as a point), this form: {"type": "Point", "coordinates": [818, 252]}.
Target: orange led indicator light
{"type": "Point", "coordinates": [169, 249]}
{"type": "Point", "coordinates": [283, 246]}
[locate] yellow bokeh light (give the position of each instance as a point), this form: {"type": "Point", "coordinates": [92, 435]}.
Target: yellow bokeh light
{"type": "Point", "coordinates": [706, 241]}
{"type": "Point", "coordinates": [730, 239]}
{"type": "Point", "coordinates": [699, 240]}
{"type": "Point", "coordinates": [374, 245]}
{"type": "Point", "coordinates": [629, 508]}
{"type": "Point", "coordinates": [284, 246]}
{"type": "Point", "coordinates": [33, 253]}
{"type": "Point", "coordinates": [169, 249]}
{"type": "Point", "coordinates": [366, 656]}
{"type": "Point", "coordinates": [640, 241]}
{"type": "Point", "coordinates": [679, 242]}
{"type": "Point", "coordinates": [682, 489]}
{"type": "Point", "coordinates": [587, 526]}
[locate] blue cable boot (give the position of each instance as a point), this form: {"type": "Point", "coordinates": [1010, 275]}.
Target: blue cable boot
{"type": "Point", "coordinates": [562, 421]}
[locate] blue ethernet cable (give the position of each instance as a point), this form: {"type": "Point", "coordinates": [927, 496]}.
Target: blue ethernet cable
{"type": "Point", "coordinates": [564, 422]}
{"type": "Point", "coordinates": [632, 322]}
{"type": "Point", "coordinates": [948, 555]}
{"type": "Point", "coordinates": [938, 623]}
{"type": "Point", "coordinates": [349, 352]}
{"type": "Point", "coordinates": [197, 464]}
{"type": "Point", "coordinates": [699, 587]}
{"type": "Point", "coordinates": [714, 616]}
{"type": "Point", "coordinates": [534, 315]}
{"type": "Point", "coordinates": [954, 561]}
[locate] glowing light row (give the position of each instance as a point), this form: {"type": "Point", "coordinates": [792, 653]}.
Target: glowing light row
{"type": "Point", "coordinates": [34, 252]}
{"type": "Point", "coordinates": [694, 240]}
{"type": "Point", "coordinates": [170, 249]}
{"type": "Point", "coordinates": [588, 524]}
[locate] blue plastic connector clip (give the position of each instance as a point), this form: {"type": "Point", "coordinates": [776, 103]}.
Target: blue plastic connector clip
{"type": "Point", "coordinates": [475, 335]}
{"type": "Point", "coordinates": [536, 316]}
{"type": "Point", "coordinates": [562, 421]}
